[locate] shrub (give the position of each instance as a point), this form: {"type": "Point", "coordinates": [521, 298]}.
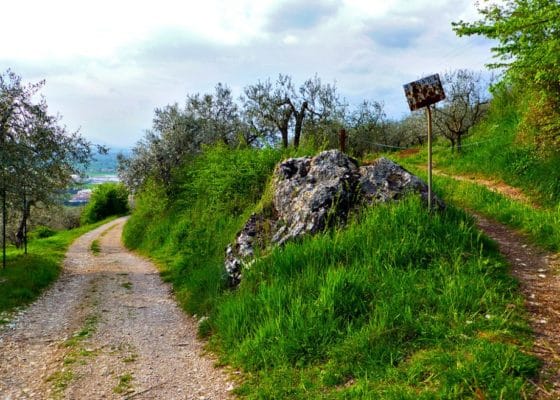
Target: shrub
{"type": "Point", "coordinates": [107, 199]}
{"type": "Point", "coordinates": [41, 232]}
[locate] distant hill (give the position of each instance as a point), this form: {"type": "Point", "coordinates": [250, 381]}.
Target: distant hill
{"type": "Point", "coordinates": [105, 164]}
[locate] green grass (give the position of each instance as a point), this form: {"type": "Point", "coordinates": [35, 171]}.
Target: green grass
{"type": "Point", "coordinates": [95, 247]}
{"type": "Point", "coordinates": [60, 381]}
{"type": "Point", "coordinates": [187, 234]}
{"type": "Point", "coordinates": [26, 276]}
{"type": "Point", "coordinates": [495, 149]}
{"type": "Point", "coordinates": [540, 225]}
{"type": "Point", "coordinates": [397, 305]}
{"type": "Point", "coordinates": [75, 353]}
{"type": "Point", "coordinates": [124, 384]}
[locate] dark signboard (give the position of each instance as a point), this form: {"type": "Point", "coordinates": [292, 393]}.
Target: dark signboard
{"type": "Point", "coordinates": [423, 92]}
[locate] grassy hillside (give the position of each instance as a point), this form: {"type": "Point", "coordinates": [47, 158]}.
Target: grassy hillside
{"type": "Point", "coordinates": [499, 148]}
{"type": "Point", "coordinates": [397, 305]}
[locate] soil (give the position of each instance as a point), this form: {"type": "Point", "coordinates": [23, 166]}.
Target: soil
{"type": "Point", "coordinates": [495, 186]}
{"type": "Point", "coordinates": [539, 275]}
{"type": "Point", "coordinates": [109, 328]}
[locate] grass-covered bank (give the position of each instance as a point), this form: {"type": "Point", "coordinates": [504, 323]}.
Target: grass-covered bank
{"type": "Point", "coordinates": [188, 230]}
{"type": "Point", "coordinates": [541, 225]}
{"type": "Point", "coordinates": [499, 148]}
{"type": "Point", "coordinates": [397, 305]}
{"type": "Point", "coordinates": [26, 276]}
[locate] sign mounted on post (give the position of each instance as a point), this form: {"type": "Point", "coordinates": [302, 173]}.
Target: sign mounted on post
{"type": "Point", "coordinates": [423, 92]}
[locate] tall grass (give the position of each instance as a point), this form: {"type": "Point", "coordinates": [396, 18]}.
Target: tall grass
{"type": "Point", "coordinates": [541, 225]}
{"type": "Point", "coordinates": [187, 234]}
{"type": "Point", "coordinates": [396, 305]}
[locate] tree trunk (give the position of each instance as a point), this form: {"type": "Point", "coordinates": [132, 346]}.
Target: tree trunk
{"type": "Point", "coordinates": [21, 235]}
{"type": "Point", "coordinates": [459, 136]}
{"type": "Point", "coordinates": [4, 222]}
{"type": "Point", "coordinates": [300, 115]}
{"type": "Point", "coordinates": [284, 133]}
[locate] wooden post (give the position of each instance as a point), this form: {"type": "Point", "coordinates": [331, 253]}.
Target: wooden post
{"type": "Point", "coordinates": [342, 140]}
{"type": "Point", "coordinates": [429, 114]}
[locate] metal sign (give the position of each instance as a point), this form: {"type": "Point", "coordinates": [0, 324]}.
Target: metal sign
{"type": "Point", "coordinates": [423, 92]}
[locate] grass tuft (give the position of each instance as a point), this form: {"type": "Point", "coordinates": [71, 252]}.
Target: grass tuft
{"type": "Point", "coordinates": [95, 247]}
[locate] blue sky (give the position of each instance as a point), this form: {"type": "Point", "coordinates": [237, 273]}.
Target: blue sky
{"type": "Point", "coordinates": [108, 64]}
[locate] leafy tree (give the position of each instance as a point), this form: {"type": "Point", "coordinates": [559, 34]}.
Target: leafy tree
{"type": "Point", "coordinates": [528, 36]}
{"type": "Point", "coordinates": [280, 107]}
{"type": "Point", "coordinates": [106, 200]}
{"type": "Point", "coordinates": [174, 136]}
{"type": "Point", "coordinates": [266, 109]}
{"type": "Point", "coordinates": [368, 127]}
{"type": "Point", "coordinates": [217, 113]}
{"type": "Point", "coordinates": [463, 107]}
{"type": "Point", "coordinates": [412, 129]}
{"type": "Point", "coordinates": [37, 155]}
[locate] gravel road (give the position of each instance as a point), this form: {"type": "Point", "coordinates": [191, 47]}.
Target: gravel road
{"type": "Point", "coordinates": [109, 328]}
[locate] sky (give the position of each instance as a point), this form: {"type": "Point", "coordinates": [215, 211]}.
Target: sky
{"type": "Point", "coordinates": [109, 64]}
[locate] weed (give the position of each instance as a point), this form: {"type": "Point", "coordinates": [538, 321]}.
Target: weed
{"type": "Point", "coordinates": [124, 384]}
{"type": "Point", "coordinates": [127, 285]}
{"type": "Point", "coordinates": [130, 358]}
{"type": "Point", "coordinates": [95, 247]}
{"type": "Point", "coordinates": [60, 381]}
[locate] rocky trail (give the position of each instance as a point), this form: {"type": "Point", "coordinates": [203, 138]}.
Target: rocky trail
{"type": "Point", "coordinates": [109, 328]}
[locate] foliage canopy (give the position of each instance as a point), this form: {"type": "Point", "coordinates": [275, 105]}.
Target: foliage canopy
{"type": "Point", "coordinates": [106, 200]}
{"type": "Point", "coordinates": [528, 36]}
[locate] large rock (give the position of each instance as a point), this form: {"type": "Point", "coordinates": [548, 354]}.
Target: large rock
{"type": "Point", "coordinates": [385, 180]}
{"type": "Point", "coordinates": [240, 253]}
{"type": "Point", "coordinates": [312, 193]}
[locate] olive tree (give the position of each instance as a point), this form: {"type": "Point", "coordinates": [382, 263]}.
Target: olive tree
{"type": "Point", "coordinates": [279, 107]}
{"type": "Point", "coordinates": [528, 49]}
{"type": "Point", "coordinates": [465, 104]}
{"type": "Point", "coordinates": [38, 156]}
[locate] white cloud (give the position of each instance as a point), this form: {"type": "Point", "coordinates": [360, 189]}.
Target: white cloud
{"type": "Point", "coordinates": [108, 64]}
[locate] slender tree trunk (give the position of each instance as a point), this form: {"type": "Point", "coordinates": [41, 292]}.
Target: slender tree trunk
{"type": "Point", "coordinates": [21, 235]}
{"type": "Point", "coordinates": [298, 128]}
{"type": "Point", "coordinates": [459, 136]}
{"type": "Point", "coordinates": [284, 133]}
{"type": "Point", "coordinates": [4, 221]}
{"type": "Point", "coordinates": [300, 115]}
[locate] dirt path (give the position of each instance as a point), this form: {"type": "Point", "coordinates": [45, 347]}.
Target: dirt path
{"type": "Point", "coordinates": [495, 186]}
{"type": "Point", "coordinates": [108, 329]}
{"type": "Point", "coordinates": [539, 274]}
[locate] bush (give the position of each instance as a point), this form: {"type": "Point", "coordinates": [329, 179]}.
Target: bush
{"type": "Point", "coordinates": [107, 199]}
{"type": "Point", "coordinates": [42, 232]}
